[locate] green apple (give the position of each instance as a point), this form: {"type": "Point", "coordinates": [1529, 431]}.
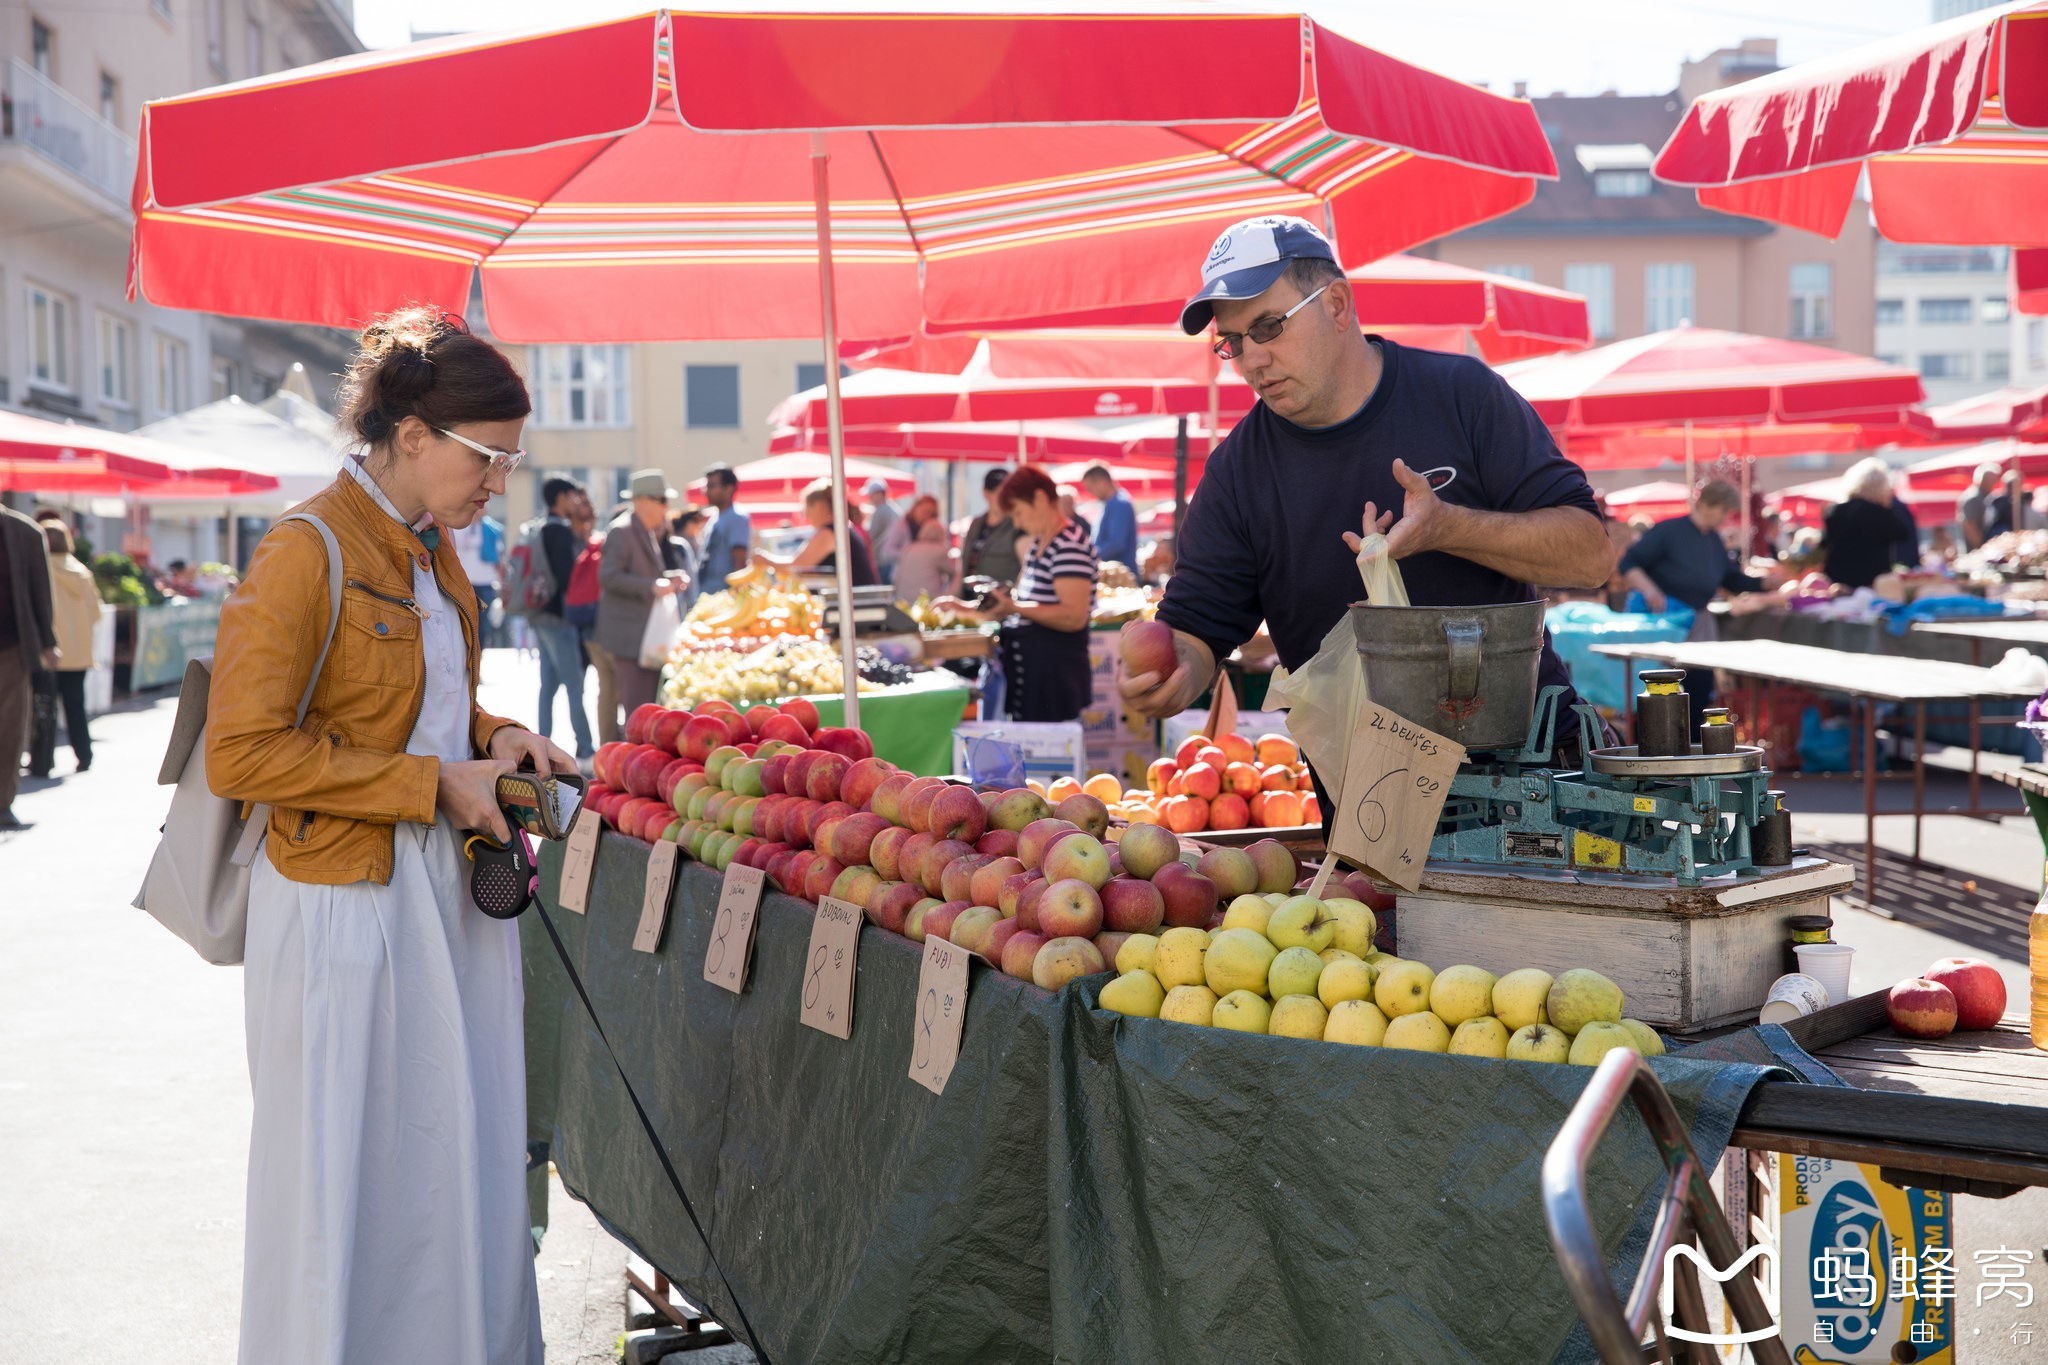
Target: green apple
{"type": "Point", "coordinates": [1518, 997]}
{"type": "Point", "coordinates": [1189, 1005]}
{"type": "Point", "coordinates": [1294, 971]}
{"type": "Point", "coordinates": [1136, 953]}
{"type": "Point", "coordinates": [1355, 1021]}
{"type": "Point", "coordinates": [1646, 1039]}
{"type": "Point", "coordinates": [1301, 922]}
{"type": "Point", "coordinates": [1177, 961]}
{"type": "Point", "coordinates": [1597, 1039]}
{"type": "Point", "coordinates": [1137, 994]}
{"type": "Point", "coordinates": [1356, 924]}
{"type": "Point", "coordinates": [1485, 1036]}
{"type": "Point", "coordinates": [1580, 997]}
{"type": "Point", "coordinates": [1539, 1043]}
{"type": "Point", "coordinates": [1273, 898]}
{"type": "Point", "coordinates": [1460, 993]}
{"type": "Point", "coordinates": [1403, 988]}
{"type": "Point", "coordinates": [1237, 960]}
{"type": "Point", "coordinates": [1242, 1012]}
{"type": "Point", "coordinates": [1248, 912]}
{"type": "Point", "coordinates": [1297, 1016]}
{"type": "Point", "coordinates": [1349, 978]}
{"type": "Point", "coordinates": [1422, 1032]}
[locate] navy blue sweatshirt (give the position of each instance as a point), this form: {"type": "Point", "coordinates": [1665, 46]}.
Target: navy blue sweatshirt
{"type": "Point", "coordinates": [1264, 535]}
{"type": "Point", "coordinates": [1687, 564]}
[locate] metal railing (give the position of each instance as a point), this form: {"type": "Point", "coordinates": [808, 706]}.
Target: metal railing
{"type": "Point", "coordinates": [36, 112]}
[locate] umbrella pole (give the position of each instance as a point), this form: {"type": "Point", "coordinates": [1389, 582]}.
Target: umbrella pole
{"type": "Point", "coordinates": [1180, 481]}
{"type": "Point", "coordinates": [842, 530]}
{"type": "Point", "coordinates": [1688, 458]}
{"type": "Point", "coordinates": [1748, 461]}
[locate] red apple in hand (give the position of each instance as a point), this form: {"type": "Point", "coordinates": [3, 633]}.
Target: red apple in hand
{"type": "Point", "coordinates": [1147, 647]}
{"type": "Point", "coordinates": [1978, 988]}
{"type": "Point", "coordinates": [1920, 1008]}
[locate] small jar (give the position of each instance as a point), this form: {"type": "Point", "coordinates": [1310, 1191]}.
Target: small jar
{"type": "Point", "coordinates": [1811, 928]}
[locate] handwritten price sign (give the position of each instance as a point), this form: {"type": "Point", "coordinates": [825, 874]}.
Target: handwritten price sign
{"type": "Point", "coordinates": [661, 875]}
{"type": "Point", "coordinates": [940, 1012]}
{"type": "Point", "coordinates": [732, 932]}
{"type": "Point", "coordinates": [829, 968]}
{"type": "Point", "coordinates": [1393, 793]}
{"type": "Point", "coordinates": [579, 856]}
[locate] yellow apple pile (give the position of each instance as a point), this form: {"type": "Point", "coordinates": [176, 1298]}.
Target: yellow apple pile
{"type": "Point", "coordinates": [1300, 967]}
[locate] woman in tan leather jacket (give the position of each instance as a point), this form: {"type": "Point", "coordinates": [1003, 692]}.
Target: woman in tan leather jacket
{"type": "Point", "coordinates": [387, 1214]}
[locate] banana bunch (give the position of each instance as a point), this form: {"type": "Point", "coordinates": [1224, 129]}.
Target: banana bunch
{"type": "Point", "coordinates": [754, 609]}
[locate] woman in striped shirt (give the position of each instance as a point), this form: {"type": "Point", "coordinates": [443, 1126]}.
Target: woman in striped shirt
{"type": "Point", "coordinates": [1044, 640]}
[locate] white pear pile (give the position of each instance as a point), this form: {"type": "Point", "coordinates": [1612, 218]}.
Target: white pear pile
{"type": "Point", "coordinates": [1306, 968]}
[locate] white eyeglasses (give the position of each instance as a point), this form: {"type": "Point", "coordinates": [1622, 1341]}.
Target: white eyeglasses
{"type": "Point", "coordinates": [500, 461]}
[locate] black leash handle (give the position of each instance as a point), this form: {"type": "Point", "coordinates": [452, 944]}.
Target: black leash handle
{"type": "Point", "coordinates": [661, 1153]}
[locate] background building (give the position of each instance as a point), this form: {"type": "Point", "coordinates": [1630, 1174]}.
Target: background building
{"type": "Point", "coordinates": [1943, 310]}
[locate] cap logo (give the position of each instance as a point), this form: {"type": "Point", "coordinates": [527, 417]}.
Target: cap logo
{"type": "Point", "coordinates": [1221, 249]}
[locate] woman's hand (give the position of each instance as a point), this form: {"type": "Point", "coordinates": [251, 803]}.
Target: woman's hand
{"type": "Point", "coordinates": [524, 747]}
{"type": "Point", "coordinates": [468, 795]}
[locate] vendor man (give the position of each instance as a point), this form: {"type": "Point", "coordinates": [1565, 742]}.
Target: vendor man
{"type": "Point", "coordinates": [1354, 433]}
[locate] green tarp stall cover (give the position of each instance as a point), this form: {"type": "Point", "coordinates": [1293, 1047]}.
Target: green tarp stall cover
{"type": "Point", "coordinates": [1088, 1188]}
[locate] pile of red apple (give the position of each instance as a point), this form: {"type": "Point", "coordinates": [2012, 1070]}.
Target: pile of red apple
{"type": "Point", "coordinates": [1955, 993]}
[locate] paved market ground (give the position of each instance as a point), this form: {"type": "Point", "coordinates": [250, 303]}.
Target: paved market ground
{"type": "Point", "coordinates": [124, 1102]}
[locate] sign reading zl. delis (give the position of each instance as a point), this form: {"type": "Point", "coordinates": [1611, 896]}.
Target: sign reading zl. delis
{"type": "Point", "coordinates": [1865, 1266]}
{"type": "Point", "coordinates": [1395, 782]}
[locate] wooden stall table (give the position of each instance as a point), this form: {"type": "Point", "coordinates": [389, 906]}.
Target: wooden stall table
{"type": "Point", "coordinates": [1900, 681]}
{"type": "Point", "coordinates": [2026, 632]}
{"type": "Point", "coordinates": [943, 645]}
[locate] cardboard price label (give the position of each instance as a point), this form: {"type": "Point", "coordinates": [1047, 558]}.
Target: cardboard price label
{"type": "Point", "coordinates": [579, 858]}
{"type": "Point", "coordinates": [661, 875]}
{"type": "Point", "coordinates": [732, 932]}
{"type": "Point", "coordinates": [1393, 792]}
{"type": "Point", "coordinates": [941, 1010]}
{"type": "Point", "coordinates": [829, 968]}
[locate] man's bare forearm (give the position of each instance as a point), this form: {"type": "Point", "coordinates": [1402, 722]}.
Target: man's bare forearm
{"type": "Point", "coordinates": [1555, 547]}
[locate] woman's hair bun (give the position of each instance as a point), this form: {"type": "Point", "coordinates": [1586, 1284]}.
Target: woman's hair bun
{"type": "Point", "coordinates": [419, 361]}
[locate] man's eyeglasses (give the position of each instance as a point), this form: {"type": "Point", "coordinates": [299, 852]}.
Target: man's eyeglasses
{"type": "Point", "coordinates": [500, 461]}
{"type": "Point", "coordinates": [1230, 345]}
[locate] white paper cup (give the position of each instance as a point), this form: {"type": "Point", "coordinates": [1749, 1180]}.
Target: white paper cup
{"type": "Point", "coordinates": [1827, 963]}
{"type": "Point", "coordinates": [1793, 996]}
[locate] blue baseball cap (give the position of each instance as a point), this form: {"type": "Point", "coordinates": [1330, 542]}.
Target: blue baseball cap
{"type": "Point", "coordinates": [1248, 258]}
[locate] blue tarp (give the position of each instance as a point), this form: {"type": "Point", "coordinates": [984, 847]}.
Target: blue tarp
{"type": "Point", "coordinates": [1575, 627]}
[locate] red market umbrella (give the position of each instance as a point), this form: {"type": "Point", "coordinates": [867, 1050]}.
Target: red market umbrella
{"type": "Point", "coordinates": [992, 442]}
{"type": "Point", "coordinates": [889, 397]}
{"type": "Point", "coordinates": [1945, 121]}
{"type": "Point", "coordinates": [1952, 473]}
{"type": "Point", "coordinates": [1138, 483]}
{"type": "Point", "coordinates": [783, 478]}
{"type": "Point", "coordinates": [1424, 302]}
{"type": "Point", "coordinates": [2029, 271]}
{"type": "Point", "coordinates": [1808, 503]}
{"type": "Point", "coordinates": [2021, 413]}
{"type": "Point", "coordinates": [56, 457]}
{"type": "Point", "coordinates": [1658, 501]}
{"type": "Point", "coordinates": [700, 176]}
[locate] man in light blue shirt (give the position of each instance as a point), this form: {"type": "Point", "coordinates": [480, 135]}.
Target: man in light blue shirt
{"type": "Point", "coordinates": [731, 537]}
{"type": "Point", "coordinates": [1116, 533]}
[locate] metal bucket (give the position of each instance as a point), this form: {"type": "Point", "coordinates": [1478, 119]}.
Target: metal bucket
{"type": "Point", "coordinates": [1468, 673]}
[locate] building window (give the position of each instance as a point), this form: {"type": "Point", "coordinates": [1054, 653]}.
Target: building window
{"type": "Point", "coordinates": [1996, 308]}
{"type": "Point", "coordinates": [1891, 312]}
{"type": "Point", "coordinates": [1944, 310]}
{"type": "Point", "coordinates": [1667, 295]}
{"type": "Point", "coordinates": [162, 7]}
{"type": "Point", "coordinates": [582, 386]}
{"type": "Point", "coordinates": [42, 46]}
{"type": "Point", "coordinates": [1997, 366]}
{"type": "Point", "coordinates": [173, 376]}
{"type": "Point", "coordinates": [1596, 283]}
{"type": "Point", "coordinates": [110, 100]}
{"type": "Point", "coordinates": [711, 395]}
{"type": "Point", "coordinates": [217, 35]}
{"type": "Point", "coordinates": [117, 361]}
{"type": "Point", "coordinates": [1513, 271]}
{"type": "Point", "coordinates": [809, 376]}
{"type": "Point", "coordinates": [1621, 185]}
{"type": "Point", "coordinates": [1813, 299]}
{"type": "Point", "coordinates": [1891, 360]}
{"type": "Point", "coordinates": [50, 340]}
{"type": "Point", "coordinates": [252, 47]}
{"type": "Point", "coordinates": [227, 379]}
{"type": "Point", "coordinates": [1945, 365]}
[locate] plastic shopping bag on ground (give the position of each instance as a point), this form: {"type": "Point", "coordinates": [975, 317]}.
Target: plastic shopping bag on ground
{"type": "Point", "coordinates": [664, 623]}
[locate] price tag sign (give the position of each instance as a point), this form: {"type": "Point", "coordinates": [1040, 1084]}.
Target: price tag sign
{"type": "Point", "coordinates": [579, 857]}
{"type": "Point", "coordinates": [732, 932]}
{"type": "Point", "coordinates": [940, 1012]}
{"type": "Point", "coordinates": [1393, 792]}
{"type": "Point", "coordinates": [661, 875]}
{"type": "Point", "coordinates": [829, 968]}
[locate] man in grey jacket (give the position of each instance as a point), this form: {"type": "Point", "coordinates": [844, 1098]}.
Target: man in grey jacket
{"type": "Point", "coordinates": [640, 565]}
{"type": "Point", "coordinates": [28, 641]}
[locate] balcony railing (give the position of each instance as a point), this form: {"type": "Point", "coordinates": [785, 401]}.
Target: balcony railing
{"type": "Point", "coordinates": [36, 112]}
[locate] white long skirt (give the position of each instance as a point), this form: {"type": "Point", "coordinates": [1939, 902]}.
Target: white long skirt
{"type": "Point", "coordinates": [387, 1216]}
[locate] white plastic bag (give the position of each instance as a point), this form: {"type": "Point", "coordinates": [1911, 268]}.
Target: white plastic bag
{"type": "Point", "coordinates": [664, 623]}
{"type": "Point", "coordinates": [1323, 696]}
